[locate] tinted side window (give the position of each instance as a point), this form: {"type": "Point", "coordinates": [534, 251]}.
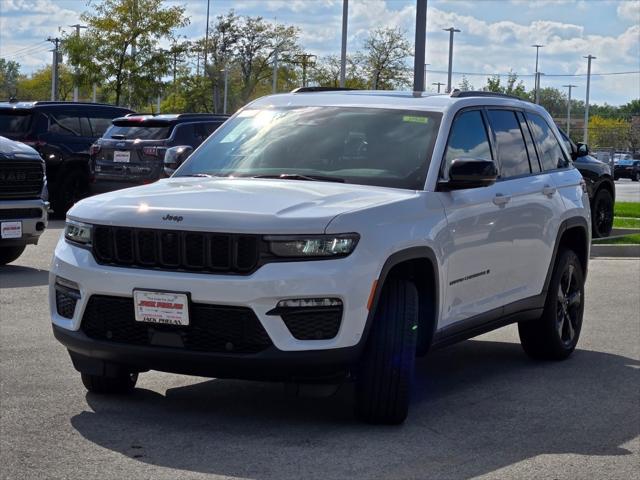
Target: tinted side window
{"type": "Point", "coordinates": [468, 139]}
{"type": "Point", "coordinates": [534, 163]}
{"type": "Point", "coordinates": [549, 149]}
{"type": "Point", "coordinates": [64, 124]}
{"type": "Point", "coordinates": [99, 125]}
{"type": "Point", "coordinates": [512, 152]}
{"type": "Point", "coordinates": [184, 134]}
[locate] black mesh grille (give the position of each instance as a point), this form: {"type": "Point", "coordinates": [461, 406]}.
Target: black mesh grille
{"type": "Point", "coordinates": [21, 179]}
{"type": "Point", "coordinates": [175, 249]}
{"type": "Point", "coordinates": [18, 213]}
{"type": "Point", "coordinates": [65, 304]}
{"type": "Point", "coordinates": [213, 328]}
{"type": "Point", "coordinates": [313, 324]}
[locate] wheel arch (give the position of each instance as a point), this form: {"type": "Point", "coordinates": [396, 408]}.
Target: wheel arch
{"type": "Point", "coordinates": [573, 233]}
{"type": "Point", "coordinates": [419, 265]}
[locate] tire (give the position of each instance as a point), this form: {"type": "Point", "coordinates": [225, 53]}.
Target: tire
{"type": "Point", "coordinates": [602, 214]}
{"type": "Point", "coordinates": [555, 335]}
{"type": "Point", "coordinates": [72, 187]}
{"type": "Point", "coordinates": [123, 383]}
{"type": "Point", "coordinates": [384, 379]}
{"type": "Point", "coordinates": [9, 254]}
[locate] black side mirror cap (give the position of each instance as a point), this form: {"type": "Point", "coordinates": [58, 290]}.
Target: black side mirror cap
{"type": "Point", "coordinates": [469, 173]}
{"type": "Point", "coordinates": [174, 157]}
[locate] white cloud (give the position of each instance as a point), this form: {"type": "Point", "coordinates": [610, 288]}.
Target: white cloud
{"type": "Point", "coordinates": [629, 10]}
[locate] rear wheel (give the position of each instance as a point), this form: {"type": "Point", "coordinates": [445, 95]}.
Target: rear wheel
{"type": "Point", "coordinates": [554, 336]}
{"type": "Point", "coordinates": [9, 254]}
{"type": "Point", "coordinates": [384, 380]}
{"type": "Point", "coordinates": [602, 214]}
{"type": "Point", "coordinates": [124, 382]}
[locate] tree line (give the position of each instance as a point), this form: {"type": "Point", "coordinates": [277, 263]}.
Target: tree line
{"type": "Point", "coordinates": [132, 54]}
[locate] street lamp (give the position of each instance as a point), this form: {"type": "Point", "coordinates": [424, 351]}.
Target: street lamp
{"type": "Point", "coordinates": [451, 31]}
{"type": "Point", "coordinates": [226, 86]}
{"type": "Point", "coordinates": [537, 78]}
{"type": "Point", "coordinates": [77, 26]}
{"type": "Point", "coordinates": [569, 109]}
{"type": "Point", "coordinates": [585, 137]}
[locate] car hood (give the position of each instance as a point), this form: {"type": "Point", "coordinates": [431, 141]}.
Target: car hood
{"type": "Point", "coordinates": [233, 205]}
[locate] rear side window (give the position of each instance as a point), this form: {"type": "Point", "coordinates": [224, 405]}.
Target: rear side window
{"type": "Point", "coordinates": [133, 131]}
{"type": "Point", "coordinates": [64, 124]}
{"type": "Point", "coordinates": [468, 139]}
{"type": "Point", "coordinates": [549, 150]}
{"type": "Point", "coordinates": [512, 152]}
{"type": "Point", "coordinates": [99, 125]}
{"type": "Point", "coordinates": [14, 124]}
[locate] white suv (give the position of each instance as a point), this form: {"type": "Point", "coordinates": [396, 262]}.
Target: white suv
{"type": "Point", "coordinates": [324, 235]}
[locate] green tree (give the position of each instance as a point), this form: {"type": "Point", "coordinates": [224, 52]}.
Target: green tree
{"type": "Point", "coordinates": [464, 84]}
{"type": "Point", "coordinates": [609, 132]}
{"type": "Point", "coordinates": [121, 44]}
{"type": "Point", "coordinates": [9, 75]}
{"type": "Point", "coordinates": [37, 86]}
{"type": "Point", "coordinates": [513, 86]}
{"type": "Point", "coordinates": [384, 58]}
{"type": "Point", "coordinates": [326, 73]}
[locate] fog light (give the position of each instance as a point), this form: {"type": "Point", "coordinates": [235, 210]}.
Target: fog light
{"type": "Point", "coordinates": [309, 303]}
{"type": "Point", "coordinates": [63, 282]}
{"type": "Point", "coordinates": [67, 295]}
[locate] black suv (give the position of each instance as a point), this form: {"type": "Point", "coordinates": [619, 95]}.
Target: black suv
{"type": "Point", "coordinates": [131, 152]}
{"type": "Point", "coordinates": [626, 168]}
{"type": "Point", "coordinates": [600, 186]}
{"type": "Point", "coordinates": [62, 132]}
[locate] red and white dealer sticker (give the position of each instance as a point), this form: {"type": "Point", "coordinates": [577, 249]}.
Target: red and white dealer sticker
{"type": "Point", "coordinates": [161, 307]}
{"type": "Point", "coordinates": [11, 230]}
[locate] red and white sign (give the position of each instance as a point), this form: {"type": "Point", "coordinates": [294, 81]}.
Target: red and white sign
{"type": "Point", "coordinates": [11, 230]}
{"type": "Point", "coordinates": [161, 307]}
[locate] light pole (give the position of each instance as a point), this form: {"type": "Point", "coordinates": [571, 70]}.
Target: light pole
{"type": "Point", "coordinates": [226, 87]}
{"type": "Point", "coordinates": [343, 51]}
{"type": "Point", "coordinates": [77, 26]}
{"type": "Point", "coordinates": [425, 75]}
{"type": "Point", "coordinates": [420, 46]}
{"type": "Point", "coordinates": [569, 109]}
{"type": "Point", "coordinates": [439, 84]}
{"type": "Point", "coordinates": [451, 31]}
{"type": "Point", "coordinates": [537, 78]}
{"type": "Point", "coordinates": [274, 81]}
{"type": "Point", "coordinates": [585, 137]}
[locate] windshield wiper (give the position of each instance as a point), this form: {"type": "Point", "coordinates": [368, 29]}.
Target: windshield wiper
{"type": "Point", "coordinates": [298, 176]}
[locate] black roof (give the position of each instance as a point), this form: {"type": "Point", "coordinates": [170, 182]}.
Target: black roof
{"type": "Point", "coordinates": [28, 105]}
{"type": "Point", "coordinates": [12, 149]}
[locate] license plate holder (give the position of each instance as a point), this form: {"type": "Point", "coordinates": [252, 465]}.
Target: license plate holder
{"type": "Point", "coordinates": [161, 307]}
{"type": "Point", "coordinates": [120, 156]}
{"type": "Point", "coordinates": [11, 229]}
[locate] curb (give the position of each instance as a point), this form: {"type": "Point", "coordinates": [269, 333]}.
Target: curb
{"type": "Point", "coordinates": [617, 232]}
{"type": "Point", "coordinates": [615, 251]}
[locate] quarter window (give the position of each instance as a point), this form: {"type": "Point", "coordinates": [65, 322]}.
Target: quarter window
{"type": "Point", "coordinates": [64, 124]}
{"type": "Point", "coordinates": [468, 139]}
{"type": "Point", "coordinates": [549, 149]}
{"type": "Point", "coordinates": [512, 152]}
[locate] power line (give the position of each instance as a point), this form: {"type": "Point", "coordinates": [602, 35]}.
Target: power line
{"type": "Point", "coordinates": [22, 49]}
{"type": "Point", "coordinates": [484, 74]}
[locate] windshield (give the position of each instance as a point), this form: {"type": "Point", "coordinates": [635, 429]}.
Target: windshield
{"type": "Point", "coordinates": [13, 124]}
{"type": "Point", "coordinates": [138, 132]}
{"type": "Point", "coordinates": [390, 148]}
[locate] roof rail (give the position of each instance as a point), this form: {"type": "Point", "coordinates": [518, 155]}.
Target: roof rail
{"type": "Point", "coordinates": [321, 89]}
{"type": "Point", "coordinates": [481, 93]}
{"type": "Point", "coordinates": [64, 102]}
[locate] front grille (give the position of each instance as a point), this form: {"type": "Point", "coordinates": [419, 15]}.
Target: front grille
{"type": "Point", "coordinates": [21, 179]}
{"type": "Point", "coordinates": [313, 324]}
{"type": "Point", "coordinates": [213, 328]}
{"type": "Point", "coordinates": [65, 304]}
{"type": "Point", "coordinates": [176, 250]}
{"type": "Point", "coordinates": [18, 213]}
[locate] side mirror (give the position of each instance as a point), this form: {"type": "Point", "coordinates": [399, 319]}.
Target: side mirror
{"type": "Point", "coordinates": [174, 157]}
{"type": "Point", "coordinates": [469, 173]}
{"type": "Point", "coordinates": [583, 149]}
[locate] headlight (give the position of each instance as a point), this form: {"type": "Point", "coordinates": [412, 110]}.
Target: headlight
{"type": "Point", "coordinates": [78, 232]}
{"type": "Point", "coordinates": [303, 246]}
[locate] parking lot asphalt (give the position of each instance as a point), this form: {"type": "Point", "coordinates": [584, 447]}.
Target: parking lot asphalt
{"type": "Point", "coordinates": [480, 409]}
{"type": "Point", "coordinates": [627, 191]}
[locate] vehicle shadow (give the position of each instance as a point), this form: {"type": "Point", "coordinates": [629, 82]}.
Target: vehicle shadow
{"type": "Point", "coordinates": [17, 276]}
{"type": "Point", "coordinates": [478, 406]}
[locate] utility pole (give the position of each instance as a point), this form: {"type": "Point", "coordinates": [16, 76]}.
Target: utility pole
{"type": "Point", "coordinates": [536, 87]}
{"type": "Point", "coordinates": [206, 41]}
{"type": "Point", "coordinates": [585, 137]}
{"type": "Point", "coordinates": [439, 84]}
{"type": "Point", "coordinates": [77, 26]}
{"type": "Point", "coordinates": [569, 109]}
{"type": "Point", "coordinates": [226, 86]}
{"type": "Point", "coordinates": [54, 67]}
{"type": "Point", "coordinates": [274, 82]}
{"type": "Point", "coordinates": [425, 76]}
{"type": "Point", "coordinates": [343, 51]}
{"type": "Point", "coordinates": [451, 31]}
{"type": "Point", "coordinates": [419, 84]}
{"type": "Point", "coordinates": [306, 59]}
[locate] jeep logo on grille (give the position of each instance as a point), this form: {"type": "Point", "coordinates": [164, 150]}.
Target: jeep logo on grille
{"type": "Point", "coordinates": [6, 177]}
{"type": "Point", "coordinates": [172, 218]}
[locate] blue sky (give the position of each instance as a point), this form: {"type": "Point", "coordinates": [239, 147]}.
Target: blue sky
{"type": "Point", "coordinates": [496, 35]}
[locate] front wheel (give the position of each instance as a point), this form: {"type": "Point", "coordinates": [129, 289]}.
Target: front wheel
{"type": "Point", "coordinates": [9, 254]}
{"type": "Point", "coordinates": [602, 214]}
{"type": "Point", "coordinates": [124, 382]}
{"type": "Point", "coordinates": [555, 335]}
{"type": "Point", "coordinates": [384, 379]}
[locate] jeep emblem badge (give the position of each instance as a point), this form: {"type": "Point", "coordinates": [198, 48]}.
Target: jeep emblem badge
{"type": "Point", "coordinates": [172, 218]}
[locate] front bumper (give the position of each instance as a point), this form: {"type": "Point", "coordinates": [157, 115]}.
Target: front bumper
{"type": "Point", "coordinates": [32, 225]}
{"type": "Point", "coordinates": [349, 279]}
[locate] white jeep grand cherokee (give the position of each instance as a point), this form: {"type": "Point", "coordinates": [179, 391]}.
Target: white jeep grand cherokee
{"type": "Point", "coordinates": [323, 235]}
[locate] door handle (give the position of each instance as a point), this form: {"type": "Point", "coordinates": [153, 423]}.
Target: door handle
{"type": "Point", "coordinates": [548, 190]}
{"type": "Point", "coordinates": [501, 199]}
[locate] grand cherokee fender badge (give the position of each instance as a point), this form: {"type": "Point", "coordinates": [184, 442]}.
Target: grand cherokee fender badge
{"type": "Point", "coordinates": [172, 218]}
